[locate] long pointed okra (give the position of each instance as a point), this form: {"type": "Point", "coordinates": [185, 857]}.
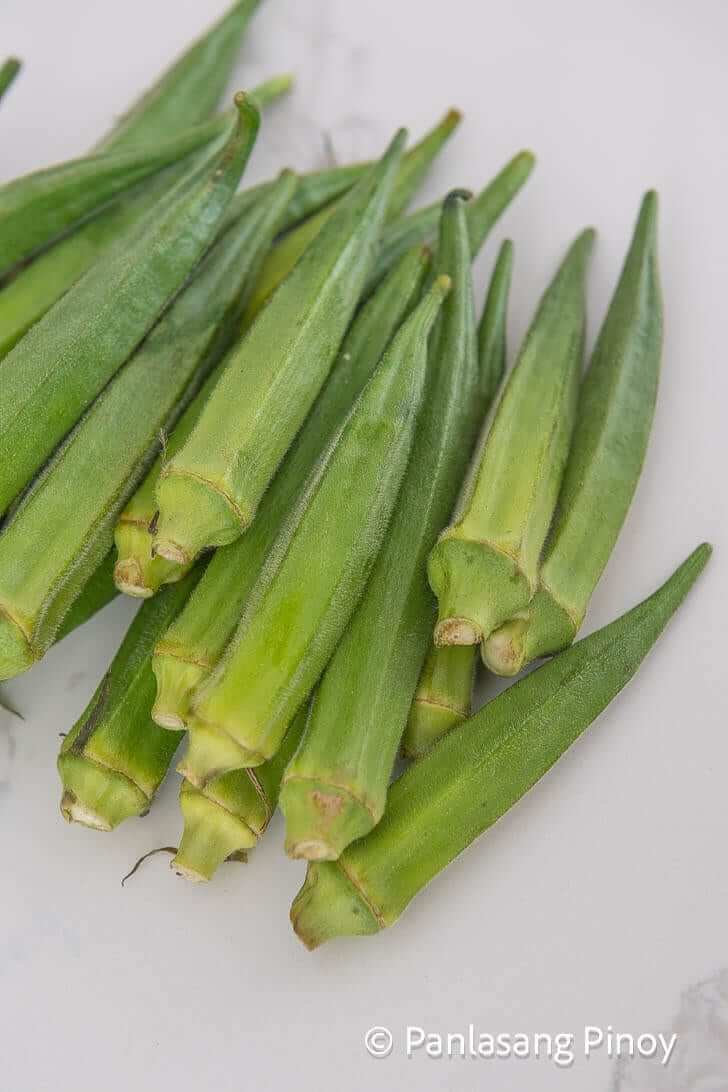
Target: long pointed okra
{"type": "Point", "coordinates": [614, 418]}
{"type": "Point", "coordinates": [196, 640]}
{"type": "Point", "coordinates": [232, 812]}
{"type": "Point", "coordinates": [317, 569]}
{"type": "Point", "coordinates": [474, 775]}
{"type": "Point", "coordinates": [445, 690]}
{"type": "Point", "coordinates": [104, 457]}
{"type": "Point", "coordinates": [137, 572]}
{"type": "Point", "coordinates": [210, 490]}
{"type": "Point", "coordinates": [114, 759]}
{"type": "Point", "coordinates": [9, 69]}
{"type": "Point", "coordinates": [57, 369]}
{"type": "Point", "coordinates": [335, 788]}
{"type": "Point", "coordinates": [484, 568]}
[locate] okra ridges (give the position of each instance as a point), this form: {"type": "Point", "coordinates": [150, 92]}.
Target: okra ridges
{"type": "Point", "coordinates": [455, 568]}
{"type": "Point", "coordinates": [211, 835]}
{"type": "Point", "coordinates": [330, 905]}
{"type": "Point", "coordinates": [96, 796]}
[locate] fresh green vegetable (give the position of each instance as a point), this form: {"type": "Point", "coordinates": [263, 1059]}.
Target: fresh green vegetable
{"type": "Point", "coordinates": [317, 569]}
{"type": "Point", "coordinates": [98, 591]}
{"type": "Point", "coordinates": [335, 789]}
{"type": "Point", "coordinates": [209, 492]}
{"type": "Point", "coordinates": [444, 692]}
{"type": "Point", "coordinates": [60, 366]}
{"type": "Point", "coordinates": [115, 757]}
{"type": "Point", "coordinates": [474, 775]}
{"type": "Point", "coordinates": [9, 69]}
{"type": "Point", "coordinates": [228, 283]}
{"type": "Point", "coordinates": [484, 568]}
{"type": "Point", "coordinates": [196, 640]}
{"type": "Point", "coordinates": [614, 418]}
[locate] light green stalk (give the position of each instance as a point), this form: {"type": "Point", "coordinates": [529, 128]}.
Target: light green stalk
{"type": "Point", "coordinates": [444, 693]}
{"type": "Point", "coordinates": [137, 573]}
{"type": "Point", "coordinates": [614, 418]}
{"type": "Point", "coordinates": [56, 371]}
{"type": "Point", "coordinates": [474, 775]}
{"type": "Point", "coordinates": [195, 642]}
{"type": "Point", "coordinates": [9, 69]}
{"type": "Point", "coordinates": [318, 567]}
{"type": "Point", "coordinates": [209, 492]}
{"type": "Point", "coordinates": [484, 567]}
{"type": "Point", "coordinates": [335, 788]}
{"type": "Point", "coordinates": [114, 759]}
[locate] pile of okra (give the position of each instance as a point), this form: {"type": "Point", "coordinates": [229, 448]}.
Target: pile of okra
{"type": "Point", "coordinates": [276, 416]}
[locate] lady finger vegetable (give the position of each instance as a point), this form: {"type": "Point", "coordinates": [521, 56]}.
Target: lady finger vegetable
{"type": "Point", "coordinates": [614, 417]}
{"type": "Point", "coordinates": [444, 692]}
{"type": "Point", "coordinates": [335, 788]}
{"type": "Point", "coordinates": [209, 491]}
{"type": "Point", "coordinates": [318, 568]}
{"type": "Point", "coordinates": [8, 71]}
{"type": "Point", "coordinates": [222, 291]}
{"type": "Point", "coordinates": [97, 592]}
{"type": "Point", "coordinates": [474, 775]}
{"type": "Point", "coordinates": [114, 759]}
{"type": "Point", "coordinates": [196, 640]}
{"type": "Point", "coordinates": [53, 374]}
{"type": "Point", "coordinates": [484, 567]}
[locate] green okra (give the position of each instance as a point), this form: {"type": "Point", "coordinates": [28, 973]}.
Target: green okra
{"type": "Point", "coordinates": [317, 569]}
{"type": "Point", "coordinates": [616, 407]}
{"type": "Point", "coordinates": [232, 812]}
{"type": "Point", "coordinates": [114, 759]}
{"type": "Point", "coordinates": [209, 492]}
{"type": "Point", "coordinates": [474, 775]}
{"type": "Point", "coordinates": [97, 592]}
{"type": "Point", "coordinates": [227, 286]}
{"type": "Point", "coordinates": [196, 640]}
{"type": "Point", "coordinates": [335, 788]}
{"type": "Point", "coordinates": [445, 690]}
{"type": "Point", "coordinates": [484, 567]}
{"type": "Point", "coordinates": [102, 460]}
{"type": "Point", "coordinates": [9, 69]}
{"type": "Point", "coordinates": [62, 363]}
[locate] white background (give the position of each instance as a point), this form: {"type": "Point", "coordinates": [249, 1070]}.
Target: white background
{"type": "Point", "coordinates": [604, 894]}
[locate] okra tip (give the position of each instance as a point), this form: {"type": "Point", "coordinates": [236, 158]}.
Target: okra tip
{"type": "Point", "coordinates": [329, 905]}
{"type": "Point", "coordinates": [272, 89]}
{"type": "Point", "coordinates": [458, 195]}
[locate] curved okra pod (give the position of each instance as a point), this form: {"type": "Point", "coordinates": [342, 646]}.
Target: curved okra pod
{"type": "Point", "coordinates": [445, 690]}
{"type": "Point", "coordinates": [232, 812]}
{"type": "Point", "coordinates": [335, 789]}
{"type": "Point", "coordinates": [474, 775]}
{"type": "Point", "coordinates": [57, 369]}
{"type": "Point", "coordinates": [226, 284]}
{"type": "Point", "coordinates": [114, 759]}
{"type": "Point", "coordinates": [209, 492]}
{"type": "Point", "coordinates": [195, 642]}
{"type": "Point", "coordinates": [317, 569]}
{"type": "Point", "coordinates": [616, 407]}
{"type": "Point", "coordinates": [484, 568]}
{"type": "Point", "coordinates": [9, 69]}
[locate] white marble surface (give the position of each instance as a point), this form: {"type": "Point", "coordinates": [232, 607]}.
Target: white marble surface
{"type": "Point", "coordinates": [604, 895]}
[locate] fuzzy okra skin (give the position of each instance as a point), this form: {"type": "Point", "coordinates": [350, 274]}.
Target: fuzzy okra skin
{"type": "Point", "coordinates": [335, 788]}
{"type": "Point", "coordinates": [445, 690]}
{"type": "Point", "coordinates": [317, 568]}
{"type": "Point", "coordinates": [9, 69]}
{"type": "Point", "coordinates": [484, 567]}
{"type": "Point", "coordinates": [614, 418]}
{"type": "Point", "coordinates": [98, 591]}
{"type": "Point", "coordinates": [196, 640]}
{"type": "Point", "coordinates": [59, 367]}
{"type": "Point", "coordinates": [114, 759]}
{"type": "Point", "coordinates": [222, 288]}
{"type": "Point", "coordinates": [209, 492]}
{"type": "Point", "coordinates": [474, 775]}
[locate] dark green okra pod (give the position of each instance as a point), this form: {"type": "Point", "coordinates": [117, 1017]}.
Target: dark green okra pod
{"type": "Point", "coordinates": [9, 69]}
{"type": "Point", "coordinates": [474, 775]}
{"type": "Point", "coordinates": [335, 788]}
{"type": "Point", "coordinates": [484, 567]}
{"type": "Point", "coordinates": [614, 417]}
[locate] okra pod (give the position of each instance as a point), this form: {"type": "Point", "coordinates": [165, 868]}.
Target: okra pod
{"type": "Point", "coordinates": [317, 568]}
{"type": "Point", "coordinates": [444, 692]}
{"type": "Point", "coordinates": [9, 69]}
{"type": "Point", "coordinates": [616, 407]}
{"type": "Point", "coordinates": [97, 592]}
{"type": "Point", "coordinates": [484, 568]}
{"type": "Point", "coordinates": [474, 775]}
{"type": "Point", "coordinates": [114, 759]}
{"type": "Point", "coordinates": [209, 492]}
{"type": "Point", "coordinates": [229, 282]}
{"type": "Point", "coordinates": [196, 640]}
{"type": "Point", "coordinates": [62, 363]}
{"type": "Point", "coordinates": [335, 789]}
